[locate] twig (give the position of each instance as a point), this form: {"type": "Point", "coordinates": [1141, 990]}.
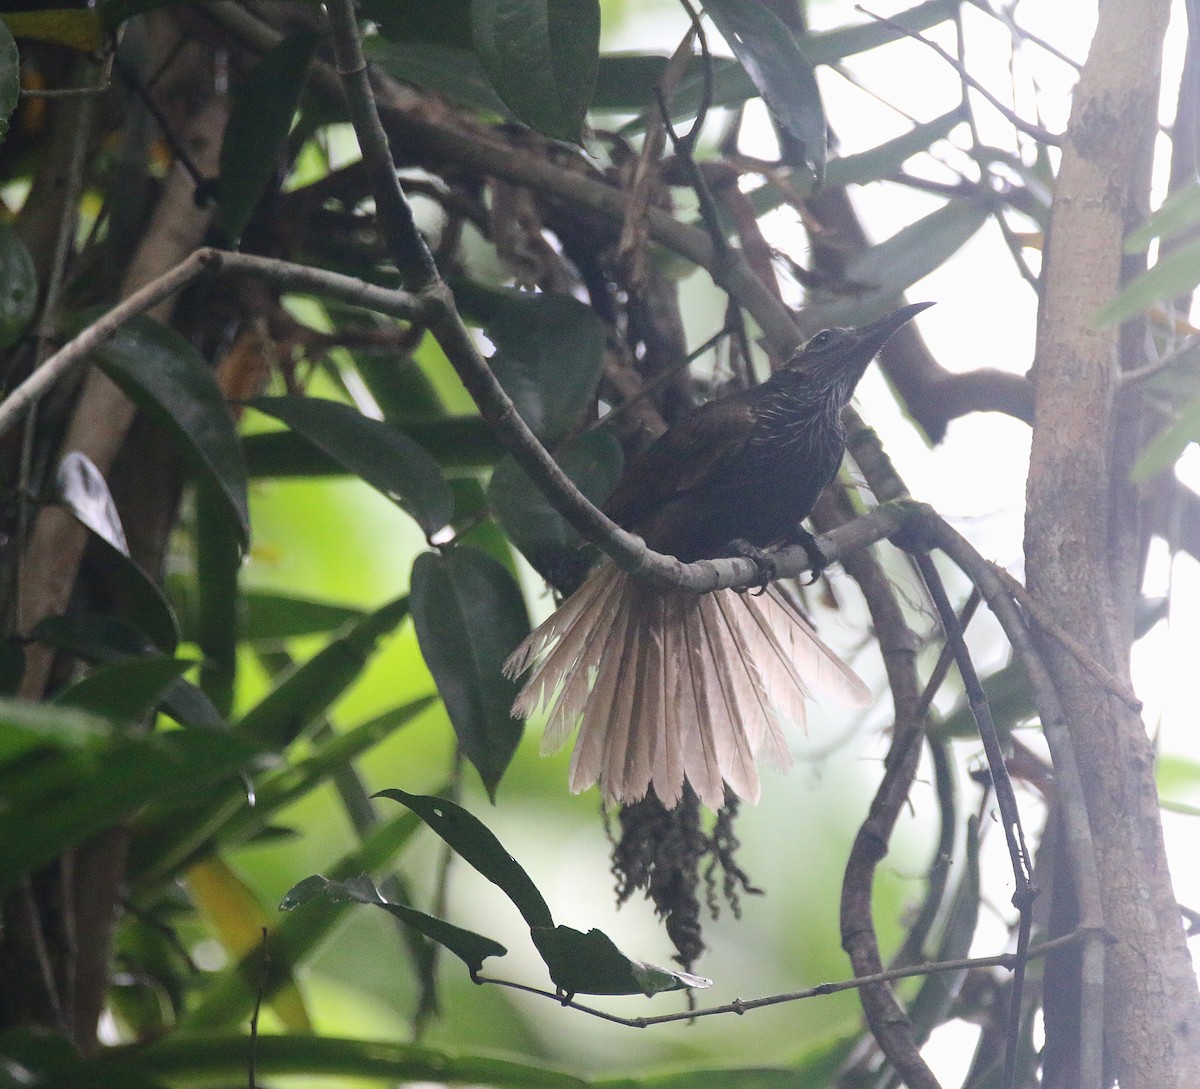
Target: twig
{"type": "Point", "coordinates": [1036, 131]}
{"type": "Point", "coordinates": [1045, 622]}
{"type": "Point", "coordinates": [1006, 800]}
{"type": "Point", "coordinates": [263, 975]}
{"type": "Point", "coordinates": [1069, 788]}
{"type": "Point", "coordinates": [742, 1006]}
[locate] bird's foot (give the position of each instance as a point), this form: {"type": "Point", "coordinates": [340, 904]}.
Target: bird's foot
{"type": "Point", "coordinates": [816, 558]}
{"type": "Point", "coordinates": [766, 564]}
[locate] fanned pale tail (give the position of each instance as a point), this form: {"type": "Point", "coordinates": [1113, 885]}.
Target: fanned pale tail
{"type": "Point", "coordinates": [671, 685]}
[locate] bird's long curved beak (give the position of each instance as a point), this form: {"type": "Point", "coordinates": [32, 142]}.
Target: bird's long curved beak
{"type": "Point", "coordinates": [874, 335]}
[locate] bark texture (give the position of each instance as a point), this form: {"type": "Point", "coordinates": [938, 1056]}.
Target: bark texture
{"type": "Point", "coordinates": [1077, 543]}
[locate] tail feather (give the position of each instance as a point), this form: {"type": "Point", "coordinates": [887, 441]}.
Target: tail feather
{"type": "Point", "coordinates": [670, 685]}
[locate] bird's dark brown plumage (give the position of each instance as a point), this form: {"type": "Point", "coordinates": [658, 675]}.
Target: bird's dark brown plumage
{"type": "Point", "coordinates": [671, 685]}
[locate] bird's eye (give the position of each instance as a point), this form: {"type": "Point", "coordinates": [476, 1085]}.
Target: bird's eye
{"type": "Point", "coordinates": [822, 340]}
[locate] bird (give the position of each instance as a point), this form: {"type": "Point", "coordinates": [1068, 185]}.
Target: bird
{"type": "Point", "coordinates": [669, 686]}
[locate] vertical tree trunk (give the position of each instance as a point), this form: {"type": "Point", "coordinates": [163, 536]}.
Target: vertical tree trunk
{"type": "Point", "coordinates": [1078, 548]}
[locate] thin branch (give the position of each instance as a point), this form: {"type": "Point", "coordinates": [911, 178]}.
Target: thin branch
{"type": "Point", "coordinates": [739, 1006]}
{"type": "Point", "coordinates": [1036, 131]}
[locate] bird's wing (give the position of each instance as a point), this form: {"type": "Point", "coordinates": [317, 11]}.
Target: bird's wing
{"type": "Point", "coordinates": [682, 460]}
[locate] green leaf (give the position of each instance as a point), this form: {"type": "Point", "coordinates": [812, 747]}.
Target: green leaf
{"type": "Point", "coordinates": [217, 618]}
{"type": "Point", "coordinates": [881, 273]}
{"type": "Point", "coordinates": [259, 121]}
{"type": "Point", "coordinates": [591, 964]}
{"type": "Point", "coordinates": [124, 692]}
{"type": "Point", "coordinates": [471, 948]}
{"type": "Point", "coordinates": [272, 618]}
{"type": "Point", "coordinates": [133, 596]}
{"type": "Point", "coordinates": [1178, 784]}
{"type": "Point", "coordinates": [387, 460]}
{"type": "Point", "coordinates": [18, 277]}
{"type": "Point", "coordinates": [470, 615]}
{"type": "Point", "coordinates": [1009, 696]}
{"type": "Point", "coordinates": [76, 796]}
{"type": "Point", "coordinates": [163, 374]}
{"type": "Point", "coordinates": [10, 92]}
{"type": "Point", "coordinates": [108, 640]}
{"type": "Point", "coordinates": [26, 727]}
{"type": "Point", "coordinates": [82, 487]}
{"type": "Point", "coordinates": [886, 159]}
{"type": "Point", "coordinates": [73, 27]}
{"type": "Point", "coordinates": [447, 22]}
{"type": "Point", "coordinates": [1177, 273]}
{"type": "Point", "coordinates": [541, 56]}
{"type": "Point", "coordinates": [549, 351]}
{"type": "Point", "coordinates": [1179, 212]}
{"type": "Point", "coordinates": [592, 461]}
{"type": "Point", "coordinates": [303, 696]}
{"type": "Point", "coordinates": [472, 841]}
{"type": "Point", "coordinates": [775, 63]}
{"type": "Point", "coordinates": [833, 45]}
{"type": "Point", "coordinates": [1161, 452]}
{"type": "Point", "coordinates": [455, 73]}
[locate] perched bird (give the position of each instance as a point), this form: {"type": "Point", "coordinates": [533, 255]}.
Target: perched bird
{"type": "Point", "coordinates": [670, 685]}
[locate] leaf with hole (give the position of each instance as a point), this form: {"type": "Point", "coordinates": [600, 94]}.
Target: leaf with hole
{"type": "Point", "coordinates": [163, 374]}
{"type": "Point", "coordinates": [476, 845]}
{"type": "Point", "coordinates": [541, 57]}
{"type": "Point", "coordinates": [260, 118]}
{"type": "Point", "coordinates": [590, 963]}
{"type": "Point", "coordinates": [469, 615]}
{"type": "Point", "coordinates": [387, 460]}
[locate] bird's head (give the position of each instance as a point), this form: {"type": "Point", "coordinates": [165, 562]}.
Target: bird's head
{"type": "Point", "coordinates": [835, 359]}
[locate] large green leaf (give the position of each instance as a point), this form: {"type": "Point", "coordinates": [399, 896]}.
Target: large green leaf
{"type": "Point", "coordinates": [259, 120]}
{"type": "Point", "coordinates": [108, 640]}
{"type": "Point", "coordinates": [470, 616]}
{"type": "Point", "coordinates": [541, 57]}
{"type": "Point", "coordinates": [592, 460]}
{"type": "Point", "coordinates": [66, 798]}
{"type": "Point", "coordinates": [274, 618]}
{"type": "Point", "coordinates": [471, 948]}
{"type": "Point", "coordinates": [303, 696]}
{"type": "Point", "coordinates": [124, 692]}
{"type": "Point", "coordinates": [455, 73]}
{"type": "Point", "coordinates": [164, 374]}
{"type": "Point", "coordinates": [773, 59]}
{"type": "Point", "coordinates": [475, 844]}
{"type": "Point", "coordinates": [549, 351]}
{"type": "Point", "coordinates": [387, 460]}
{"type": "Point", "coordinates": [447, 22]}
{"type": "Point", "coordinates": [1179, 212]}
{"type": "Point", "coordinates": [18, 278]}
{"type": "Point", "coordinates": [217, 617]}
{"type": "Point", "coordinates": [590, 963]}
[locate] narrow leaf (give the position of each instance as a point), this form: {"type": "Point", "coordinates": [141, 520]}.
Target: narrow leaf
{"type": "Point", "coordinates": [259, 120]}
{"type": "Point", "coordinates": [541, 57]}
{"type": "Point", "coordinates": [165, 375]}
{"type": "Point", "coordinates": [470, 615]}
{"type": "Point", "coordinates": [474, 842]}
{"type": "Point", "coordinates": [387, 460]}
{"type": "Point", "coordinates": [886, 159]}
{"type": "Point", "coordinates": [303, 696]}
{"type": "Point", "coordinates": [775, 63]}
{"type": "Point", "coordinates": [1161, 452]}
{"type": "Point", "coordinates": [591, 964]}
{"type": "Point", "coordinates": [18, 278]}
{"type": "Point", "coordinates": [1175, 274]}
{"type": "Point", "coordinates": [1179, 212]}
{"type": "Point", "coordinates": [272, 618]}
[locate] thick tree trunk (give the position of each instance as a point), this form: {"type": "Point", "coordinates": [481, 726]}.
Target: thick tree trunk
{"type": "Point", "coordinates": [1078, 549]}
